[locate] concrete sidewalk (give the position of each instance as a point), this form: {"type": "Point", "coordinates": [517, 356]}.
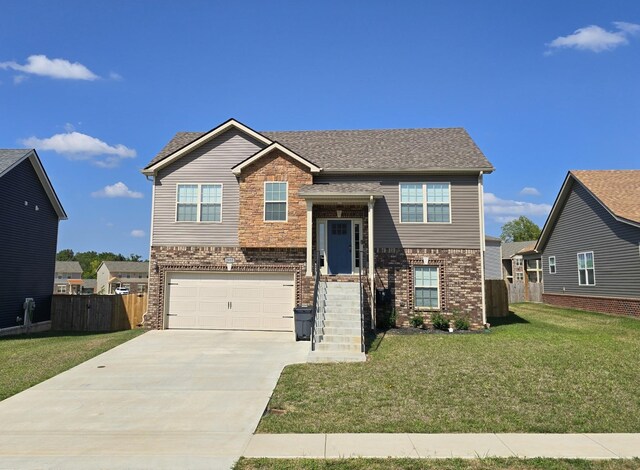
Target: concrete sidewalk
{"type": "Point", "coordinates": [579, 446]}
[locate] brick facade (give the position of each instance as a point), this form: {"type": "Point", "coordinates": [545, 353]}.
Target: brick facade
{"type": "Point", "coordinates": [253, 230]}
{"type": "Point", "coordinates": [460, 282]}
{"type": "Point", "coordinates": [611, 305]}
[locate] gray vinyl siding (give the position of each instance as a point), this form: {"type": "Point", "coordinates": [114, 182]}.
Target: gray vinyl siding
{"type": "Point", "coordinates": [493, 260]}
{"type": "Point", "coordinates": [28, 249]}
{"type": "Point", "coordinates": [210, 163]}
{"type": "Point", "coordinates": [462, 232]}
{"type": "Point", "coordinates": [585, 225]}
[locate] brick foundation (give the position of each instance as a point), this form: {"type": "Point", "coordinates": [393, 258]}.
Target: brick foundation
{"type": "Point", "coordinates": [610, 305]}
{"type": "Point", "coordinates": [460, 282]}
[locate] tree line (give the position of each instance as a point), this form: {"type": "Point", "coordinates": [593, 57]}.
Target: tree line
{"type": "Point", "coordinates": [90, 260]}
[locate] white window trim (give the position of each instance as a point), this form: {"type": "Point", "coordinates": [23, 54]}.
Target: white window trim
{"type": "Point", "coordinates": [431, 309]}
{"type": "Point", "coordinates": [199, 204]}
{"type": "Point", "coordinates": [425, 202]}
{"type": "Point", "coordinates": [61, 289]}
{"type": "Point", "coordinates": [519, 276]}
{"type": "Point", "coordinates": [518, 261]}
{"type": "Point", "coordinates": [554, 264]}
{"type": "Point", "coordinates": [264, 203]}
{"type": "Point", "coordinates": [593, 257]}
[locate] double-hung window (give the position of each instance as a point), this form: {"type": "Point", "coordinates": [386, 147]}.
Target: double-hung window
{"type": "Point", "coordinates": [426, 287]}
{"type": "Point", "coordinates": [425, 202]}
{"type": "Point", "coordinates": [552, 264]}
{"type": "Point", "coordinates": [275, 201]}
{"type": "Point", "coordinates": [199, 203]}
{"type": "Point", "coordinates": [586, 269]}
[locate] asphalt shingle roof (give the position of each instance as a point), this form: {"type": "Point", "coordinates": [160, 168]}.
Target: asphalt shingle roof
{"type": "Point", "coordinates": [10, 156]}
{"type": "Point", "coordinates": [354, 189]}
{"type": "Point", "coordinates": [512, 248]}
{"type": "Point", "coordinates": [68, 267]}
{"type": "Point", "coordinates": [381, 149]}
{"type": "Point", "coordinates": [127, 266]}
{"type": "Point", "coordinates": [619, 190]}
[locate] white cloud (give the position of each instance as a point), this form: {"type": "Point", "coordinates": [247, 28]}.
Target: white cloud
{"type": "Point", "coordinates": [137, 233]}
{"type": "Point", "coordinates": [115, 76]}
{"type": "Point", "coordinates": [505, 210]}
{"type": "Point", "coordinates": [18, 79]}
{"type": "Point", "coordinates": [77, 146]}
{"type": "Point", "coordinates": [117, 190]}
{"type": "Point", "coordinates": [596, 39]}
{"type": "Point", "coordinates": [529, 191]}
{"type": "Point", "coordinates": [53, 68]}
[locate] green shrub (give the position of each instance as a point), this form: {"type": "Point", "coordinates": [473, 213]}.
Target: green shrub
{"type": "Point", "coordinates": [417, 320]}
{"type": "Point", "coordinates": [461, 323]}
{"type": "Point", "coordinates": [439, 321]}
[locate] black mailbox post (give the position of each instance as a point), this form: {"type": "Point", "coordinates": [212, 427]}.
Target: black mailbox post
{"type": "Point", "coordinates": [303, 318]}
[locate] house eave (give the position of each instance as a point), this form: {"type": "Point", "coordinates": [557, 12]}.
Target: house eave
{"type": "Point", "coordinates": [410, 171]}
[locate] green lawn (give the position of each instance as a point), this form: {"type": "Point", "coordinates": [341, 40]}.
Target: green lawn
{"type": "Point", "coordinates": [26, 360]}
{"type": "Point", "coordinates": [439, 464]}
{"type": "Point", "coordinates": [543, 369]}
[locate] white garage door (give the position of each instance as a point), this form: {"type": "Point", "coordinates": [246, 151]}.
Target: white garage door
{"type": "Point", "coordinates": [231, 301]}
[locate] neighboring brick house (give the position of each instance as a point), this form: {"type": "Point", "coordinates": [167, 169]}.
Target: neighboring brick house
{"type": "Point", "coordinates": [67, 278]}
{"type": "Point", "coordinates": [29, 215]}
{"type": "Point", "coordinates": [590, 244]}
{"type": "Point", "coordinates": [239, 218]}
{"type": "Point", "coordinates": [133, 275]}
{"type": "Point", "coordinates": [521, 263]}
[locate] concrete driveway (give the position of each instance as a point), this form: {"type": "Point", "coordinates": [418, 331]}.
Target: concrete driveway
{"type": "Point", "coordinates": [167, 399]}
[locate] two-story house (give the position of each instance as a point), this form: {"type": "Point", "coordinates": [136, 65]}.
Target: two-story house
{"type": "Point", "coordinates": [133, 275]}
{"type": "Point", "coordinates": [29, 215]}
{"type": "Point", "coordinates": [67, 278]}
{"type": "Point", "coordinates": [239, 218]}
{"type": "Point", "coordinates": [590, 244]}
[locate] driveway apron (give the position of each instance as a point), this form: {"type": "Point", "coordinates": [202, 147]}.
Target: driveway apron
{"type": "Point", "coordinates": [166, 399]}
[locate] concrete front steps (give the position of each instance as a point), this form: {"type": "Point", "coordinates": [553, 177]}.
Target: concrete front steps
{"type": "Point", "coordinates": [339, 338]}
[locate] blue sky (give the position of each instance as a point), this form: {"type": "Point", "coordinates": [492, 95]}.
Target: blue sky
{"type": "Point", "coordinates": [100, 87]}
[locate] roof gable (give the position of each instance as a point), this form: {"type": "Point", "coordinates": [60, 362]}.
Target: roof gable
{"type": "Point", "coordinates": [618, 191]}
{"type": "Point", "coordinates": [68, 267]}
{"type": "Point", "coordinates": [267, 150]}
{"type": "Point", "coordinates": [10, 158]}
{"type": "Point", "coordinates": [185, 142]}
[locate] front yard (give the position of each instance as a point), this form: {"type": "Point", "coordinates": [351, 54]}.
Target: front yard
{"type": "Point", "coordinates": [544, 369]}
{"type": "Point", "coordinates": [26, 360]}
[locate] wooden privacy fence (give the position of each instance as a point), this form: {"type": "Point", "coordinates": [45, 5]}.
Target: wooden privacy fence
{"type": "Point", "coordinates": [97, 312]}
{"type": "Point", "coordinates": [525, 292]}
{"type": "Point", "coordinates": [496, 298]}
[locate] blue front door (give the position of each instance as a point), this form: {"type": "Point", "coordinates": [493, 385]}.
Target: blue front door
{"type": "Point", "coordinates": [339, 246]}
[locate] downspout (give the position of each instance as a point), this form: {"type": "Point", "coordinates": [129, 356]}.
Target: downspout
{"type": "Point", "coordinates": [372, 268]}
{"type": "Point", "coordinates": [482, 245]}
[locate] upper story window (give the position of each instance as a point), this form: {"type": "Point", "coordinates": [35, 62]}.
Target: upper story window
{"type": "Point", "coordinates": [199, 203]}
{"type": "Point", "coordinates": [586, 269]}
{"type": "Point", "coordinates": [425, 202]}
{"type": "Point", "coordinates": [518, 261]}
{"type": "Point", "coordinates": [275, 201]}
{"type": "Point", "coordinates": [427, 287]}
{"type": "Point", "coordinates": [552, 264]}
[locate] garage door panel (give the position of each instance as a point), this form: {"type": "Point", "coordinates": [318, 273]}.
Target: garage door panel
{"type": "Point", "coordinates": [247, 301]}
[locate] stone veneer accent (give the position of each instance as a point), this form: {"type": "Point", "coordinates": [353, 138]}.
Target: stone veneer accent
{"type": "Point", "coordinates": [166, 259]}
{"type": "Point", "coordinates": [611, 305]}
{"type": "Point", "coordinates": [253, 230]}
{"type": "Point", "coordinates": [460, 281]}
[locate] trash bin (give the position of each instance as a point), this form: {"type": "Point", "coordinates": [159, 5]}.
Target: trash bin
{"type": "Point", "coordinates": [303, 317]}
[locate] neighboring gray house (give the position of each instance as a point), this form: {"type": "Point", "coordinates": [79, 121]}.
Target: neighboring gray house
{"type": "Point", "coordinates": [492, 258]}
{"type": "Point", "coordinates": [67, 278]}
{"type": "Point", "coordinates": [29, 216]}
{"type": "Point", "coordinates": [521, 263]}
{"type": "Point", "coordinates": [133, 275]}
{"type": "Point", "coordinates": [239, 218]}
{"type": "Point", "coordinates": [89, 286]}
{"type": "Point", "coordinates": [590, 244]}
